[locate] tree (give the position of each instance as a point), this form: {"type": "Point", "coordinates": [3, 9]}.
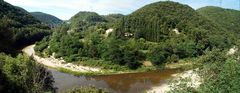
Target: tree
{"type": "Point", "coordinates": [24, 75]}
{"type": "Point", "coordinates": [219, 74]}
{"type": "Point", "coordinates": [131, 58]}
{"type": "Point", "coordinates": [6, 35]}
{"type": "Point", "coordinates": [158, 55]}
{"type": "Point", "coordinates": [114, 52]}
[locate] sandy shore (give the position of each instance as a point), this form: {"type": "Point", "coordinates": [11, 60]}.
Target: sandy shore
{"type": "Point", "coordinates": [57, 63]}
{"type": "Point", "coordinates": [194, 81]}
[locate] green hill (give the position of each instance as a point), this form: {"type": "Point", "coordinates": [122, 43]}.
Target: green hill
{"type": "Point", "coordinates": [16, 14]}
{"type": "Point", "coordinates": [87, 17]}
{"type": "Point", "coordinates": [48, 19]}
{"type": "Point", "coordinates": [18, 27]}
{"type": "Point", "coordinates": [155, 21]}
{"type": "Point", "coordinates": [113, 17]}
{"type": "Point", "coordinates": [83, 20]}
{"type": "Point", "coordinates": [159, 32]}
{"type": "Point", "coordinates": [226, 18]}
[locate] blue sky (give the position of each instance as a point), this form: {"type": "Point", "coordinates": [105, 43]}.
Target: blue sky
{"type": "Point", "coordinates": [65, 9]}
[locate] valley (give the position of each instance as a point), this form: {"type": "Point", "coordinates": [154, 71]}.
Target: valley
{"type": "Point", "coordinates": [157, 81]}
{"type": "Point", "coordinates": [158, 47]}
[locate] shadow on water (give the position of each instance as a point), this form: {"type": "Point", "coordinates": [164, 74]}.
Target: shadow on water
{"type": "Point", "coordinates": [117, 83]}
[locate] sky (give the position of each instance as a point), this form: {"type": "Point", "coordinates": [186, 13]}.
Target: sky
{"type": "Point", "coordinates": [65, 9]}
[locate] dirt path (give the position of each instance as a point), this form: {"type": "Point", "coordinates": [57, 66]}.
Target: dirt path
{"type": "Point", "coordinates": [57, 63]}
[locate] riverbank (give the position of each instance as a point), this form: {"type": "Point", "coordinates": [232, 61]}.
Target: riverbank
{"type": "Point", "coordinates": [79, 70]}
{"type": "Point", "coordinates": [75, 69]}
{"type": "Point", "coordinates": [192, 77]}
{"type": "Point", "coordinates": [57, 63]}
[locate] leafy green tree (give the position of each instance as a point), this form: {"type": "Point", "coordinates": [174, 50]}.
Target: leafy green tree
{"type": "Point", "coordinates": [219, 74]}
{"type": "Point", "coordinates": [19, 27]}
{"type": "Point", "coordinates": [158, 55]}
{"type": "Point", "coordinates": [131, 58]}
{"type": "Point", "coordinates": [23, 75]}
{"type": "Point", "coordinates": [6, 35]}
{"type": "Point", "coordinates": [114, 52]}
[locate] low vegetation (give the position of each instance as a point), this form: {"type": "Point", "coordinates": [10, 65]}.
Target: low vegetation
{"type": "Point", "coordinates": [23, 75]}
{"type": "Point", "coordinates": [219, 73]}
{"type": "Point", "coordinates": [87, 90]}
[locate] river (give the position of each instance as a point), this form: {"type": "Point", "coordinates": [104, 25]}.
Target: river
{"type": "Point", "coordinates": [117, 83]}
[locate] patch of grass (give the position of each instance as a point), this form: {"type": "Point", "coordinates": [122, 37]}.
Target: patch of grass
{"type": "Point", "coordinates": [106, 65]}
{"type": "Point", "coordinates": [104, 71]}
{"type": "Point", "coordinates": [181, 64]}
{"type": "Point", "coordinates": [89, 89]}
{"type": "Point", "coordinates": [77, 73]}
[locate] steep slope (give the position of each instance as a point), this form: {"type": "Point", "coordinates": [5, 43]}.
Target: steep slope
{"type": "Point", "coordinates": [18, 27]}
{"type": "Point", "coordinates": [227, 18]}
{"type": "Point", "coordinates": [48, 19]}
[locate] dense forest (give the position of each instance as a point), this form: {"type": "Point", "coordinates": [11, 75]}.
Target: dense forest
{"type": "Point", "coordinates": [220, 71]}
{"type": "Point", "coordinates": [145, 35]}
{"type": "Point", "coordinates": [82, 20]}
{"type": "Point", "coordinates": [23, 75]}
{"type": "Point", "coordinates": [229, 17]}
{"type": "Point", "coordinates": [18, 72]}
{"type": "Point", "coordinates": [18, 27]}
{"type": "Point", "coordinates": [161, 33]}
{"type": "Point", "coordinates": [48, 19]}
{"type": "Point", "coordinates": [113, 17]}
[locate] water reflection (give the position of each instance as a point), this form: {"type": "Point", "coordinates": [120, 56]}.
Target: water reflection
{"type": "Point", "coordinates": [118, 83]}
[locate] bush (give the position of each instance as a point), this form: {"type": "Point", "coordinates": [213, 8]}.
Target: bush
{"type": "Point", "coordinates": [87, 90]}
{"type": "Point", "coordinates": [23, 75]}
{"type": "Point", "coordinates": [220, 74]}
{"type": "Point", "coordinates": [158, 55]}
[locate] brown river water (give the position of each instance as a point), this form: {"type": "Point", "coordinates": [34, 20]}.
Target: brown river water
{"type": "Point", "coordinates": [117, 83]}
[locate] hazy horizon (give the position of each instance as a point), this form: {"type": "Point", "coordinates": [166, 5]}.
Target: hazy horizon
{"type": "Point", "coordinates": [65, 9]}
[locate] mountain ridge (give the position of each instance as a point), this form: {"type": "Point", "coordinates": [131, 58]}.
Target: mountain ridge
{"type": "Point", "coordinates": [226, 18]}
{"type": "Point", "coordinates": [48, 19]}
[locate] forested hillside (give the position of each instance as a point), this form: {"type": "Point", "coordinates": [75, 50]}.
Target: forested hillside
{"type": "Point", "coordinates": [181, 30]}
{"type": "Point", "coordinates": [155, 22]}
{"type": "Point", "coordinates": [113, 17]}
{"type": "Point", "coordinates": [18, 72]}
{"type": "Point", "coordinates": [18, 27]}
{"type": "Point", "coordinates": [226, 18]}
{"type": "Point", "coordinates": [48, 19]}
{"type": "Point", "coordinates": [87, 17]}
{"type": "Point", "coordinates": [82, 20]}
{"type": "Point", "coordinates": [161, 32]}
